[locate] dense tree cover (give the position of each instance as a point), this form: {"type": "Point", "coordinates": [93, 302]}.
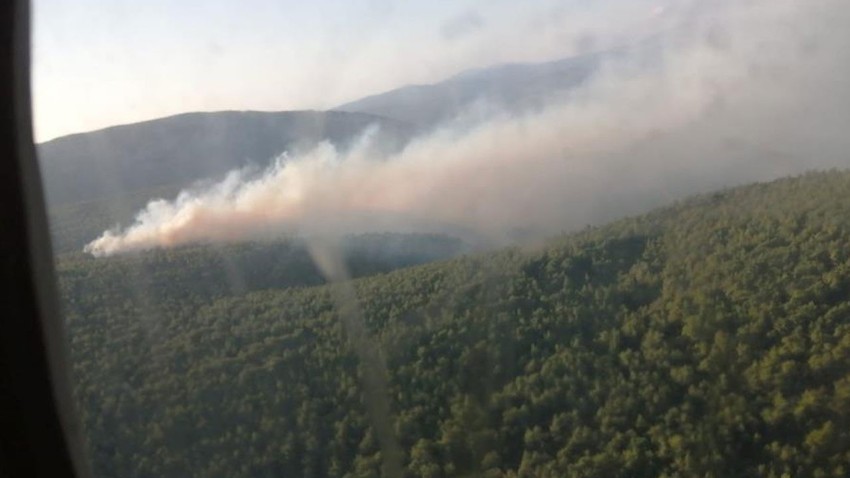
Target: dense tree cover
{"type": "Point", "coordinates": [197, 274]}
{"type": "Point", "coordinates": [710, 338]}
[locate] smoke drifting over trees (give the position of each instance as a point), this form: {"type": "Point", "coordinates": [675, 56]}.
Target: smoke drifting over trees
{"type": "Point", "coordinates": [733, 92]}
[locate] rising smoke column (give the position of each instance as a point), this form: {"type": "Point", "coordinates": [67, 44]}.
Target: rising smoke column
{"type": "Point", "coordinates": [739, 91]}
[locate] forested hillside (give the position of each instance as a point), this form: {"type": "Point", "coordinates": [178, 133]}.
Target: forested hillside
{"type": "Point", "coordinates": [74, 225]}
{"type": "Point", "coordinates": [710, 338]}
{"type": "Point", "coordinates": [100, 179]}
{"type": "Point", "coordinates": [178, 150]}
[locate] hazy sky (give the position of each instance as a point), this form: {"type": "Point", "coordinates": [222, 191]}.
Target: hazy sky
{"type": "Point", "coordinates": [98, 63]}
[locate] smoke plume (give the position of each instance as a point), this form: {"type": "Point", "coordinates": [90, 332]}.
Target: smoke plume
{"type": "Point", "coordinates": [731, 92]}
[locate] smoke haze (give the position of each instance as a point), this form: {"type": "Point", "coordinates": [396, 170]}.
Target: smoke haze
{"type": "Point", "coordinates": [732, 92]}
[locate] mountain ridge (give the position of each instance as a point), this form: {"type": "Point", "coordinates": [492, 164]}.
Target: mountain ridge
{"type": "Point", "coordinates": [189, 147]}
{"type": "Point", "coordinates": [512, 87]}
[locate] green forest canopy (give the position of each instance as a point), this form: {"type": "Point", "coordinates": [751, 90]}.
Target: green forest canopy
{"type": "Point", "coordinates": [709, 338]}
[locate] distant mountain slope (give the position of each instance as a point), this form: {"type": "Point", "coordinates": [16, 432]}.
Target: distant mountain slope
{"type": "Point", "coordinates": [177, 150]}
{"type": "Point", "coordinates": [73, 225]}
{"type": "Point", "coordinates": [512, 87]}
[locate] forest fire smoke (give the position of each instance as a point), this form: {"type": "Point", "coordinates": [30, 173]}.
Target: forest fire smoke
{"type": "Point", "coordinates": [732, 97]}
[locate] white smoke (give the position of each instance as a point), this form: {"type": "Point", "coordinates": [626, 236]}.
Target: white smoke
{"type": "Point", "coordinates": [736, 92]}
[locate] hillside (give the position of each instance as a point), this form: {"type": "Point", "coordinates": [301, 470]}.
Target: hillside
{"type": "Point", "coordinates": [179, 150]}
{"type": "Point", "coordinates": [94, 181]}
{"type": "Point", "coordinates": [709, 338]}
{"type": "Point", "coordinates": [511, 87]}
{"type": "Point", "coordinates": [97, 180]}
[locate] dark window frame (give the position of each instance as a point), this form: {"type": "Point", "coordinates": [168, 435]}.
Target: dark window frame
{"type": "Point", "coordinates": [39, 429]}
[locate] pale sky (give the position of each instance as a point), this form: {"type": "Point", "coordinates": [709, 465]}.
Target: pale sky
{"type": "Point", "coordinates": [98, 63]}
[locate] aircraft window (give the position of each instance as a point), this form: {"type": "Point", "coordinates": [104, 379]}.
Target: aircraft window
{"type": "Point", "coordinates": [379, 238]}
